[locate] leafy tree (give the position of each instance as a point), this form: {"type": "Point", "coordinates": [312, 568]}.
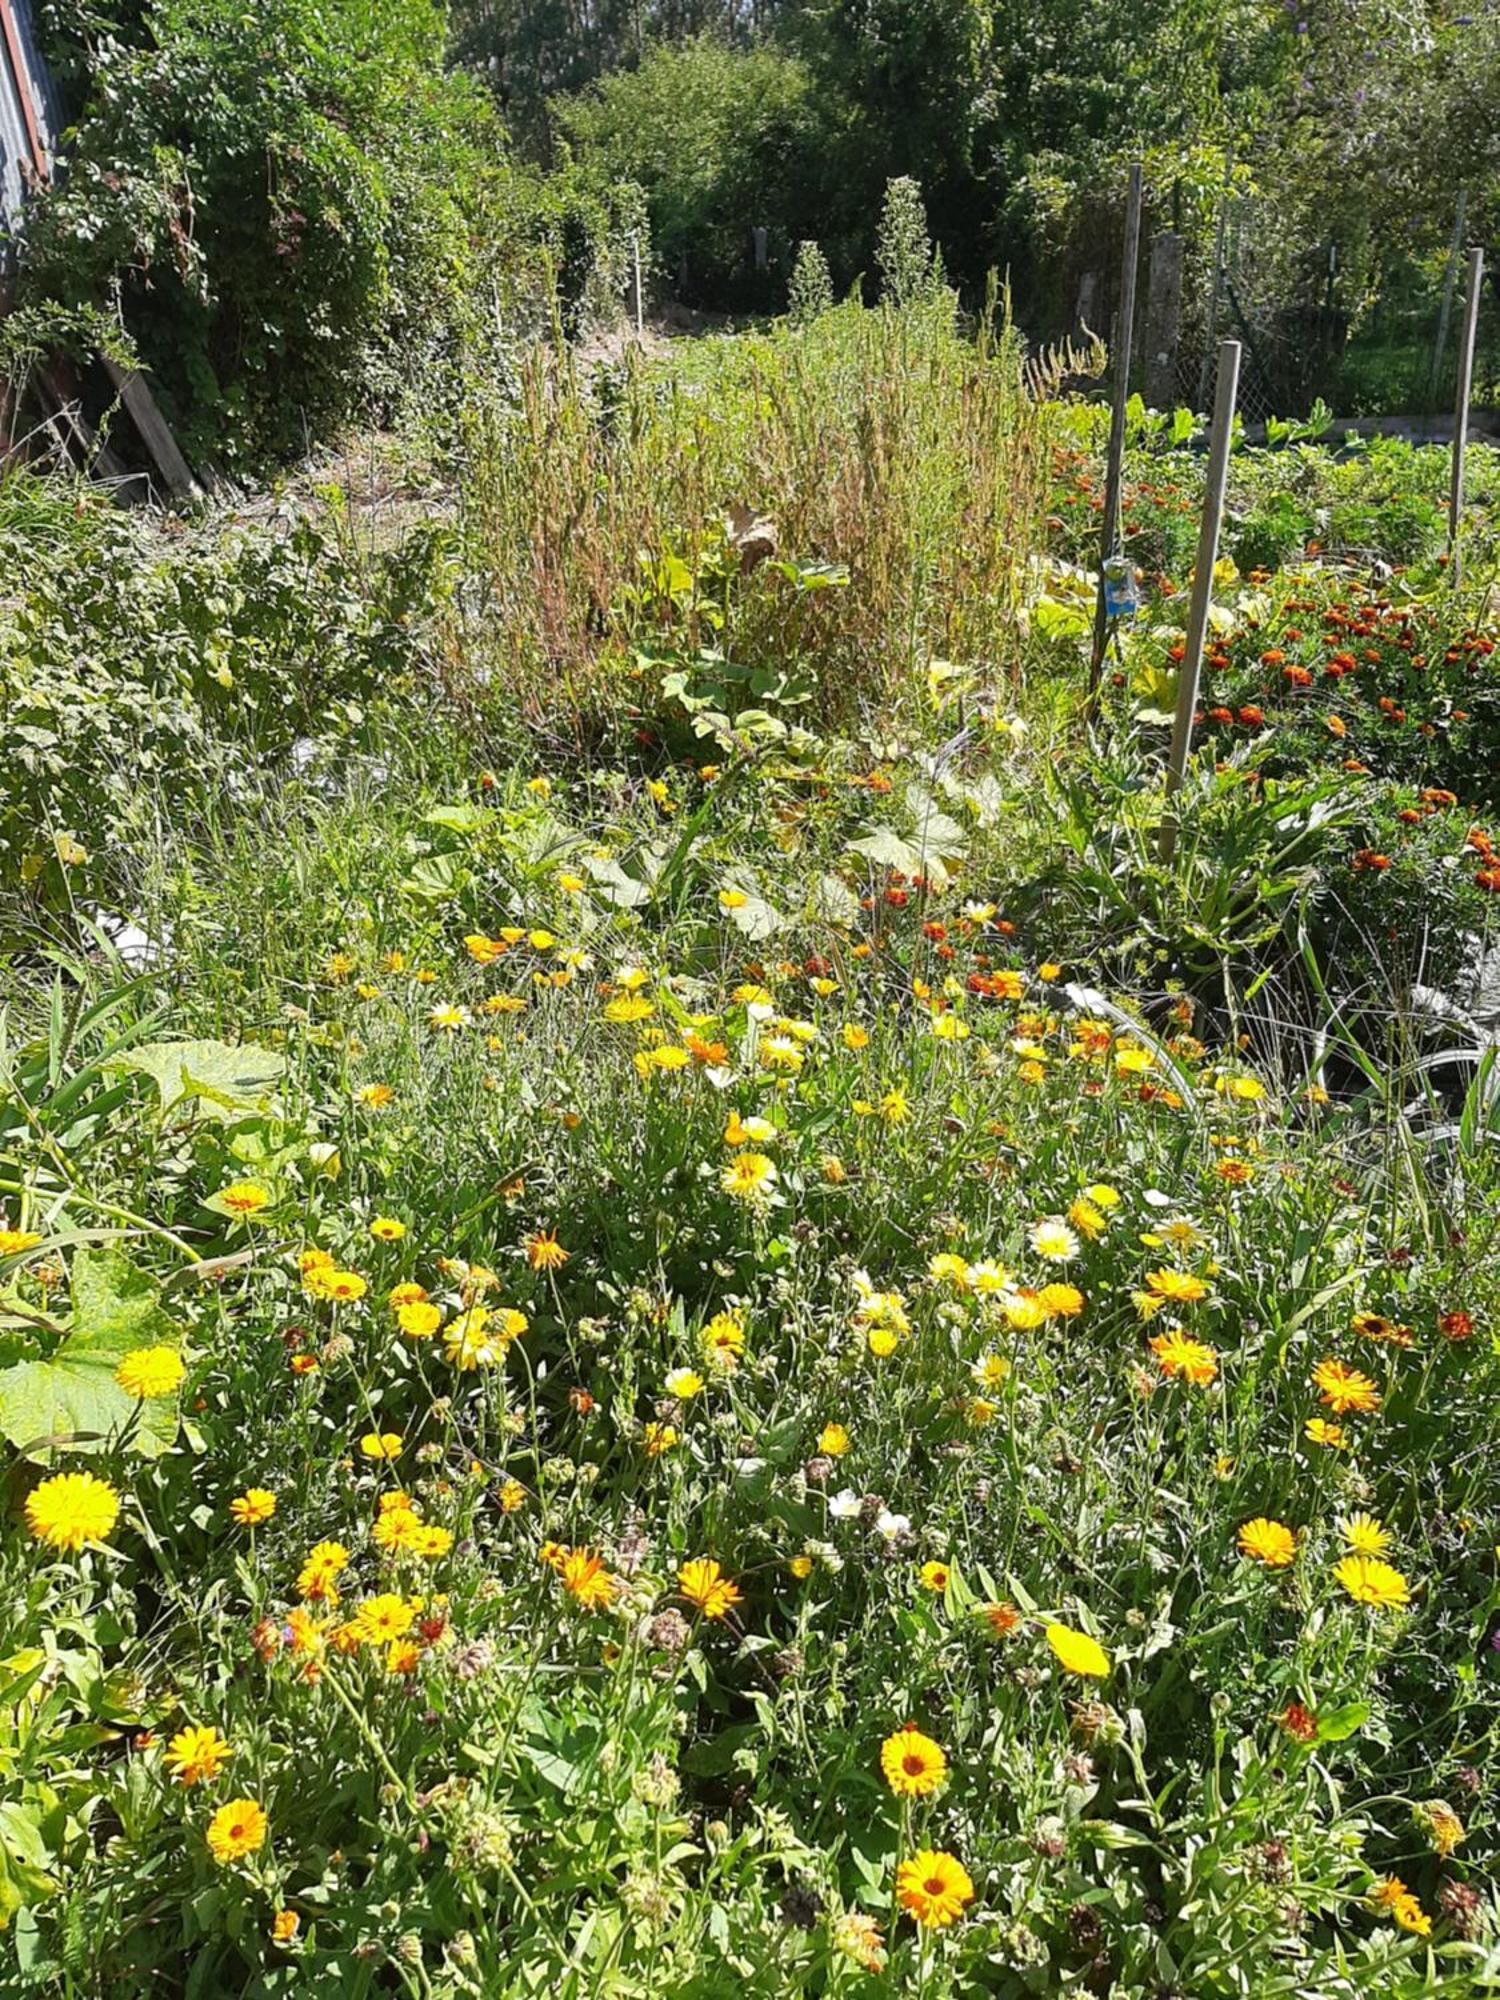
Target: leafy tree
{"type": "Point", "coordinates": [722, 140]}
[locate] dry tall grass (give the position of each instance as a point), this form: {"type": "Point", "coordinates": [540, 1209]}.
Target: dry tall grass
{"type": "Point", "coordinates": [892, 442]}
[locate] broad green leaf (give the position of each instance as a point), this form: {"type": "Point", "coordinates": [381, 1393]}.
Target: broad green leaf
{"type": "Point", "coordinates": [72, 1398]}
{"type": "Point", "coordinates": [459, 819]}
{"type": "Point", "coordinates": [223, 1082]}
{"type": "Point", "coordinates": [435, 878]}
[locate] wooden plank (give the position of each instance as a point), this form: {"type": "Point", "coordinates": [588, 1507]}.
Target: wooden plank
{"type": "Point", "coordinates": [155, 433]}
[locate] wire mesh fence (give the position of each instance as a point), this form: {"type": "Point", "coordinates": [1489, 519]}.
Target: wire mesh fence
{"type": "Point", "coordinates": [1310, 330]}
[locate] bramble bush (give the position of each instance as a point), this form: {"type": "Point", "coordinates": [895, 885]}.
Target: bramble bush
{"type": "Point", "coordinates": [298, 213]}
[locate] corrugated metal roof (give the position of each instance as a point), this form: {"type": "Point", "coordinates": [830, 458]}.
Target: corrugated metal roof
{"type": "Point", "coordinates": [29, 115]}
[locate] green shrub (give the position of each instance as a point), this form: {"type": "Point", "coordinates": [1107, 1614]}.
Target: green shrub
{"type": "Point", "coordinates": [296, 210]}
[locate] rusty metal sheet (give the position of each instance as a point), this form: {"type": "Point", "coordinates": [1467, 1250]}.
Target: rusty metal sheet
{"type": "Point", "coordinates": [30, 118]}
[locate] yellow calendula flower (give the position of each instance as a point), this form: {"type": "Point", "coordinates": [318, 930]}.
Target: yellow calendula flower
{"type": "Point", "coordinates": [1344, 1388]}
{"type": "Point", "coordinates": [381, 1445]}
{"type": "Point", "coordinates": [1077, 1653]}
{"type": "Point", "coordinates": [723, 1341]}
{"type": "Point", "coordinates": [833, 1441]}
{"type": "Point", "coordinates": [914, 1765]}
{"type": "Point", "coordinates": [683, 1383]}
{"type": "Point", "coordinates": [419, 1319]}
{"type": "Point", "coordinates": [150, 1372]}
{"type": "Point", "coordinates": [1363, 1535]}
{"type": "Point", "coordinates": [237, 1829]}
{"type": "Point", "coordinates": [628, 1008]}
{"type": "Point", "coordinates": [749, 1176]}
{"type": "Point", "coordinates": [946, 1268]}
{"type": "Point", "coordinates": [544, 1252]}
{"type": "Point", "coordinates": [1182, 1359]}
{"type": "Point", "coordinates": [196, 1755]}
{"type": "Point", "coordinates": [706, 1587]}
{"type": "Point", "coordinates": [1369, 1581]}
{"type": "Point", "coordinates": [71, 1510]}
{"type": "Point", "coordinates": [586, 1580]}
{"type": "Point", "coordinates": [1052, 1238]}
{"type": "Point", "coordinates": [244, 1198]}
{"type": "Point", "coordinates": [254, 1507]}
{"type": "Point", "coordinates": [1269, 1542]}
{"type": "Point", "coordinates": [934, 1888]}
{"type": "Point", "coordinates": [1318, 1430]}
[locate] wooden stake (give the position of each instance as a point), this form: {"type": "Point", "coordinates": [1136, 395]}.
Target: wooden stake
{"type": "Point", "coordinates": [1110, 534]}
{"type": "Point", "coordinates": [1461, 412]}
{"type": "Point", "coordinates": [1203, 583]}
{"type": "Point", "coordinates": [635, 280]}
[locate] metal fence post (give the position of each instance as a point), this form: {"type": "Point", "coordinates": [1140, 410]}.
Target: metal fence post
{"type": "Point", "coordinates": [1461, 413]}
{"type": "Point", "coordinates": [1445, 310]}
{"type": "Point", "coordinates": [1203, 584]}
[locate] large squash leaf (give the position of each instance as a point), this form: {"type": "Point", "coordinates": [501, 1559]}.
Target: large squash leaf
{"type": "Point", "coordinates": [223, 1081]}
{"type": "Point", "coordinates": [71, 1398]}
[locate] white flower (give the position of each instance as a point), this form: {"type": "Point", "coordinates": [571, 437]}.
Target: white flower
{"type": "Point", "coordinates": [844, 1506]}
{"type": "Point", "coordinates": [891, 1526]}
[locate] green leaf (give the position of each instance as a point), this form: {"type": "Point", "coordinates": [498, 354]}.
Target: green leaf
{"type": "Point", "coordinates": [435, 878]}
{"type": "Point", "coordinates": [1336, 1725]}
{"type": "Point", "coordinates": [223, 1082]}
{"type": "Point", "coordinates": [72, 1398]}
{"type": "Point", "coordinates": [459, 819]}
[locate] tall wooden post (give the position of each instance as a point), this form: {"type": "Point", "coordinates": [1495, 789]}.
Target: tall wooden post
{"type": "Point", "coordinates": [1461, 413]}
{"type": "Point", "coordinates": [1203, 583]}
{"type": "Point", "coordinates": [635, 283]}
{"type": "Point", "coordinates": [1109, 536]}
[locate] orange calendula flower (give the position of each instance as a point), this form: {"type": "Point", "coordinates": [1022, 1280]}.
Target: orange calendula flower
{"type": "Point", "coordinates": [586, 1580]}
{"type": "Point", "coordinates": [1343, 1388]}
{"type": "Point", "coordinates": [706, 1587]}
{"type": "Point", "coordinates": [544, 1252]}
{"type": "Point", "coordinates": [934, 1888]}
